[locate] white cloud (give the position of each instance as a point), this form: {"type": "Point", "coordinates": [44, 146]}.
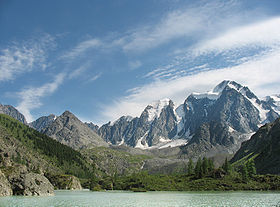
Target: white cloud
{"type": "Point", "coordinates": [235, 46]}
{"type": "Point", "coordinates": [95, 77]}
{"type": "Point", "coordinates": [197, 21]}
{"type": "Point", "coordinates": [261, 75]}
{"type": "Point", "coordinates": [81, 48]}
{"type": "Point", "coordinates": [77, 72]}
{"type": "Point", "coordinates": [25, 57]}
{"type": "Point", "coordinates": [263, 34]}
{"type": "Point", "coordinates": [30, 97]}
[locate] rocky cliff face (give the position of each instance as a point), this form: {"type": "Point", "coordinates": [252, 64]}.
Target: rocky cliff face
{"type": "Point", "coordinates": [13, 112]}
{"type": "Point", "coordinates": [264, 148]}
{"type": "Point", "coordinates": [69, 130]}
{"type": "Point", "coordinates": [93, 126]}
{"type": "Point", "coordinates": [5, 187]}
{"type": "Point", "coordinates": [43, 122]}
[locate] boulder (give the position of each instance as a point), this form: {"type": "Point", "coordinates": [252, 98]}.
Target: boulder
{"type": "Point", "coordinates": [65, 182]}
{"type": "Point", "coordinates": [28, 183]}
{"type": "Point", "coordinates": [5, 187]}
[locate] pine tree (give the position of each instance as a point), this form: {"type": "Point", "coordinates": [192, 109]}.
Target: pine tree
{"type": "Point", "coordinates": [250, 165]}
{"type": "Point", "coordinates": [198, 168]}
{"type": "Point", "coordinates": [244, 173]}
{"type": "Point", "coordinates": [211, 165]}
{"type": "Point", "coordinates": [227, 166]}
{"type": "Point", "coordinates": [205, 166]}
{"type": "Point", "coordinates": [190, 167]}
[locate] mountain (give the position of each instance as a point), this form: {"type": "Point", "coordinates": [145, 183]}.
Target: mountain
{"type": "Point", "coordinates": [69, 130]}
{"type": "Point", "coordinates": [219, 120]}
{"type": "Point", "coordinates": [263, 148]}
{"type": "Point", "coordinates": [13, 112]}
{"type": "Point", "coordinates": [156, 126]}
{"type": "Point", "coordinates": [43, 122]}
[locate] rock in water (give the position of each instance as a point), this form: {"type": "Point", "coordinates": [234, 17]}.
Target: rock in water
{"type": "Point", "coordinates": [5, 187]}
{"type": "Point", "coordinates": [65, 182]}
{"type": "Point", "coordinates": [28, 183]}
{"type": "Point", "coordinates": [76, 185]}
{"type": "Point", "coordinates": [36, 184]}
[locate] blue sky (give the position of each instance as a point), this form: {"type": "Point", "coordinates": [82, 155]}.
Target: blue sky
{"type": "Point", "coordinates": [104, 59]}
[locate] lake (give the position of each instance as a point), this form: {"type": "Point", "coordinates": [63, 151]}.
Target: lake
{"type": "Point", "coordinates": [147, 199]}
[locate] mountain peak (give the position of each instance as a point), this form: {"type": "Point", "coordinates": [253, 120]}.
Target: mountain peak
{"type": "Point", "coordinates": [154, 109]}
{"type": "Point", "coordinates": [160, 103]}
{"type": "Point", "coordinates": [68, 114]}
{"type": "Point", "coordinates": [217, 91]}
{"type": "Point", "coordinates": [221, 86]}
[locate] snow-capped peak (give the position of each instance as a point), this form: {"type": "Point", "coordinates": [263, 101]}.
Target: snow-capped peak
{"type": "Point", "coordinates": [244, 91]}
{"type": "Point", "coordinates": [125, 118]}
{"type": "Point", "coordinates": [249, 96]}
{"type": "Point", "coordinates": [274, 102]}
{"type": "Point", "coordinates": [216, 92]}
{"type": "Point", "coordinates": [232, 84]}
{"type": "Point", "coordinates": [154, 109]}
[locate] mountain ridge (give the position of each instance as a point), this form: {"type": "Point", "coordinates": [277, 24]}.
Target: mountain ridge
{"type": "Point", "coordinates": [229, 104]}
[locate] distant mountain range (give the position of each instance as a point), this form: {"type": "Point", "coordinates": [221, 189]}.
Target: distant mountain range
{"type": "Point", "coordinates": [205, 124]}
{"type": "Point", "coordinates": [230, 109]}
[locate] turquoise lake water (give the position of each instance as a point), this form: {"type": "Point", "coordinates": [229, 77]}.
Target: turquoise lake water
{"type": "Point", "coordinates": [147, 199]}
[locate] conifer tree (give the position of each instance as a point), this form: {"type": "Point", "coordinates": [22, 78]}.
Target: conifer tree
{"type": "Point", "coordinates": [198, 168]}
{"type": "Point", "coordinates": [211, 165]}
{"type": "Point", "coordinates": [190, 167]}
{"type": "Point", "coordinates": [227, 166]}
{"type": "Point", "coordinates": [250, 165]}
{"type": "Point", "coordinates": [244, 173]}
{"type": "Point", "coordinates": [205, 166]}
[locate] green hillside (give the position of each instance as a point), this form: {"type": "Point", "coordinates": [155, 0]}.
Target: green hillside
{"type": "Point", "coordinates": [24, 145]}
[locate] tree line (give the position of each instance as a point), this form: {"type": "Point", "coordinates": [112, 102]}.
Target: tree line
{"type": "Point", "coordinates": [205, 167]}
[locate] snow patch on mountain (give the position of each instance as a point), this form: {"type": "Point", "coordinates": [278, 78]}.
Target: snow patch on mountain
{"type": "Point", "coordinates": [175, 143]}
{"type": "Point", "coordinates": [156, 107]}
{"type": "Point", "coordinates": [217, 91]}
{"type": "Point", "coordinates": [262, 111]}
{"type": "Point", "coordinates": [210, 95]}
{"type": "Point", "coordinates": [121, 142]}
{"type": "Point", "coordinates": [230, 129]}
{"type": "Point", "coordinates": [163, 140]}
{"type": "Point", "coordinates": [140, 144]}
{"type": "Point", "coordinates": [188, 134]}
{"type": "Point", "coordinates": [180, 114]}
{"type": "Point", "coordinates": [127, 118]}
{"type": "Point", "coordinates": [274, 101]}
